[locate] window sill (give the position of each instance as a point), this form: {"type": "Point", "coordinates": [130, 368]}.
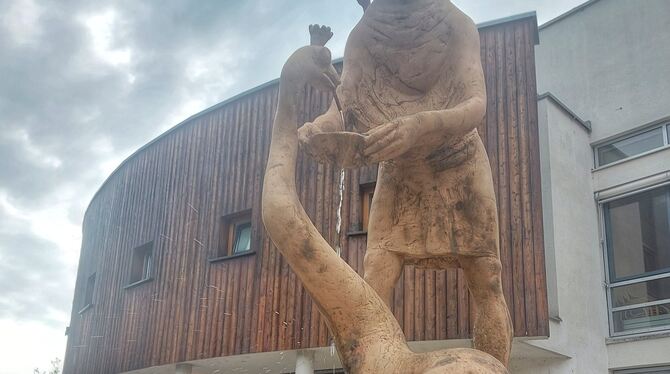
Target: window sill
{"type": "Point", "coordinates": [231, 257]}
{"type": "Point", "coordinates": [140, 282]}
{"type": "Point", "coordinates": [85, 308]}
{"type": "Point", "coordinates": [357, 233]}
{"type": "Point", "coordinates": [638, 337]}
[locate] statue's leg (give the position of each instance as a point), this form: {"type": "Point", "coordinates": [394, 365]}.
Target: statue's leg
{"type": "Point", "coordinates": [493, 326]}
{"type": "Point", "coordinates": [382, 270]}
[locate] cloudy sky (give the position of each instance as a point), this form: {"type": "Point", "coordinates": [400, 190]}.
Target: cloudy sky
{"type": "Point", "coordinates": [84, 83]}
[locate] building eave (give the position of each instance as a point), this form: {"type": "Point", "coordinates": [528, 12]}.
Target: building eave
{"type": "Point", "coordinates": [586, 125]}
{"type": "Point", "coordinates": [567, 14]}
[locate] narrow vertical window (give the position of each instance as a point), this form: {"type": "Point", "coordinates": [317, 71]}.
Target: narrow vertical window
{"type": "Point", "coordinates": [141, 264]}
{"type": "Point", "coordinates": [88, 293]}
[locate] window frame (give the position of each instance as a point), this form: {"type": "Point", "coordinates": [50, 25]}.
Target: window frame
{"type": "Point", "coordinates": [89, 289]}
{"type": "Point", "coordinates": [147, 266]}
{"type": "Point", "coordinates": [609, 284]}
{"type": "Point", "coordinates": [664, 125]}
{"type": "Point", "coordinates": [227, 236]}
{"type": "Point", "coordinates": [647, 370]}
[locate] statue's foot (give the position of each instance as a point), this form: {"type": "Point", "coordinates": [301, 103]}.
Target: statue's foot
{"type": "Point", "coordinates": [319, 35]}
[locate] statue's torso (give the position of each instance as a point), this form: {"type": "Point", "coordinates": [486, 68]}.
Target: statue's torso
{"type": "Point", "coordinates": [397, 64]}
{"type": "Point", "coordinates": [401, 63]}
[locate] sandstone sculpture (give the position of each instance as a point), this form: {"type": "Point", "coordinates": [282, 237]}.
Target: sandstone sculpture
{"type": "Point", "coordinates": [367, 336]}
{"type": "Point", "coordinates": [413, 93]}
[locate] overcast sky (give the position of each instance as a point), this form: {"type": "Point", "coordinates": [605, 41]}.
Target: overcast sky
{"type": "Point", "coordinates": [85, 83]}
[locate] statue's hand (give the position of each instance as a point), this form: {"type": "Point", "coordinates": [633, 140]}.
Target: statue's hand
{"type": "Point", "coordinates": [304, 136]}
{"type": "Point", "coordinates": [392, 139]}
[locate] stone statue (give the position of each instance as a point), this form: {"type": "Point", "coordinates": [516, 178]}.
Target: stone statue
{"type": "Point", "coordinates": [367, 336]}
{"type": "Point", "coordinates": [411, 97]}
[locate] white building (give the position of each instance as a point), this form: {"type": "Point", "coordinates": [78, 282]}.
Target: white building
{"type": "Point", "coordinates": [603, 74]}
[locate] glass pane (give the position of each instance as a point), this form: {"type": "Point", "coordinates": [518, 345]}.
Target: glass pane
{"type": "Point", "coordinates": [638, 234]}
{"type": "Point", "coordinates": [147, 265]}
{"type": "Point", "coordinates": [242, 238]}
{"type": "Point", "coordinates": [632, 146]}
{"type": "Point", "coordinates": [654, 370]}
{"type": "Point", "coordinates": [642, 292]}
{"type": "Point", "coordinates": [642, 318]}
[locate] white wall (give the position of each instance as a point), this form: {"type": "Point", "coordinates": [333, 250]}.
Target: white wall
{"type": "Point", "coordinates": [610, 63]}
{"type": "Point", "coordinates": [573, 251]}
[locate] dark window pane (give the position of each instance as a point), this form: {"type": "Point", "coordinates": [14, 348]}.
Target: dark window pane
{"type": "Point", "coordinates": [147, 265]}
{"type": "Point", "coordinates": [90, 286]}
{"type": "Point", "coordinates": [242, 238]}
{"type": "Point", "coordinates": [643, 292]}
{"type": "Point", "coordinates": [642, 318]}
{"type": "Point", "coordinates": [638, 234]}
{"type": "Point", "coordinates": [654, 370]}
{"type": "Point", "coordinates": [141, 263]}
{"type": "Point", "coordinates": [632, 146]}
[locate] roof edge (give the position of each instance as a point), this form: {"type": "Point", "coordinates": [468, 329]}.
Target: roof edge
{"type": "Point", "coordinates": [512, 18]}
{"type": "Point", "coordinates": [586, 125]}
{"type": "Point", "coordinates": [567, 14]}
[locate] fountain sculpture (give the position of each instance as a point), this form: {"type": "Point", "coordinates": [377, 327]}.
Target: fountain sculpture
{"type": "Point", "coordinates": [410, 98]}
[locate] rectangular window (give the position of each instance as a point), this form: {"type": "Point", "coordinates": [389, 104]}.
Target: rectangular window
{"type": "Point", "coordinates": [654, 370]}
{"type": "Point", "coordinates": [235, 236]}
{"type": "Point", "coordinates": [367, 192]}
{"type": "Point", "coordinates": [632, 145]}
{"type": "Point", "coordinates": [141, 265]}
{"type": "Point", "coordinates": [88, 293]}
{"type": "Point", "coordinates": [637, 233]}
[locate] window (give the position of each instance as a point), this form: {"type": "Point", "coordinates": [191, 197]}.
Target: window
{"type": "Point", "coordinates": [88, 293]}
{"type": "Point", "coordinates": [632, 145]}
{"type": "Point", "coordinates": [654, 370]}
{"type": "Point", "coordinates": [235, 237]}
{"type": "Point", "coordinates": [367, 192]}
{"type": "Point", "coordinates": [637, 237]}
{"type": "Point", "coordinates": [141, 265]}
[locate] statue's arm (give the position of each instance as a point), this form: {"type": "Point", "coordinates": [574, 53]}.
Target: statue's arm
{"type": "Point", "coordinates": [468, 114]}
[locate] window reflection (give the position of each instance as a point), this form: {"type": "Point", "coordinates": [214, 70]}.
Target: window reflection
{"type": "Point", "coordinates": [631, 146]}
{"type": "Point", "coordinates": [638, 231]}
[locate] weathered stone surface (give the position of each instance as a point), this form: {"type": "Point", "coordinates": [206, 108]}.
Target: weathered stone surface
{"type": "Point", "coordinates": [411, 95]}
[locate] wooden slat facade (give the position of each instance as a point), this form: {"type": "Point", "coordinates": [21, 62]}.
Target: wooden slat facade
{"type": "Point", "coordinates": [174, 192]}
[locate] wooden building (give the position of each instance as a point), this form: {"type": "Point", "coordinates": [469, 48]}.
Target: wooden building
{"type": "Point", "coordinates": [176, 267]}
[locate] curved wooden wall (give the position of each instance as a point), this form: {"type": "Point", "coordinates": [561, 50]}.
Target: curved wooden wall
{"type": "Point", "coordinates": [174, 192]}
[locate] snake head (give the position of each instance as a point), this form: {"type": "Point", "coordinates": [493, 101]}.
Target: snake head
{"type": "Point", "coordinates": [312, 65]}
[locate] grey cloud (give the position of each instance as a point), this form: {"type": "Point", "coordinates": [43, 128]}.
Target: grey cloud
{"type": "Point", "coordinates": [67, 101]}
{"type": "Point", "coordinates": [58, 94]}
{"type": "Point", "coordinates": [34, 280]}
